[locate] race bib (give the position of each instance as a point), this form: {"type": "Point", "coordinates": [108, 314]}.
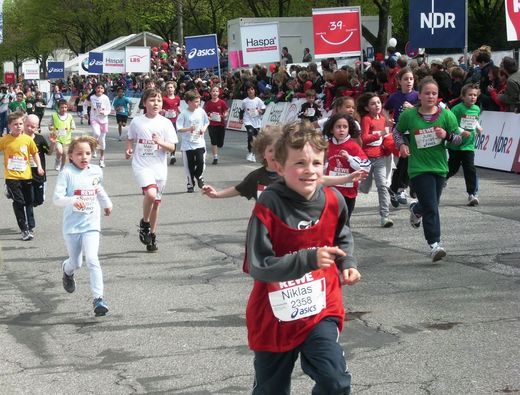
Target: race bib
{"type": "Point", "coordinates": [310, 112]}
{"type": "Point", "coordinates": [147, 147]}
{"type": "Point", "coordinates": [29, 105]}
{"type": "Point", "coordinates": [17, 163]}
{"type": "Point", "coordinates": [88, 196]}
{"type": "Point", "coordinates": [296, 299]}
{"type": "Point", "coordinates": [195, 137]}
{"type": "Point", "coordinates": [170, 114]}
{"type": "Point", "coordinates": [376, 143]}
{"type": "Point", "coordinates": [253, 112]}
{"type": "Point", "coordinates": [215, 116]}
{"type": "Point", "coordinates": [120, 109]}
{"type": "Point", "coordinates": [426, 138]}
{"type": "Point", "coordinates": [341, 172]}
{"type": "Point", "coordinates": [259, 189]}
{"type": "Point", "coordinates": [468, 123]}
{"type": "Point", "coordinates": [62, 132]}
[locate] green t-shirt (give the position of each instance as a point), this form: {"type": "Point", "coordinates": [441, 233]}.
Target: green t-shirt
{"type": "Point", "coordinates": [467, 118]}
{"type": "Point", "coordinates": [427, 152]}
{"type": "Point", "coordinates": [15, 105]}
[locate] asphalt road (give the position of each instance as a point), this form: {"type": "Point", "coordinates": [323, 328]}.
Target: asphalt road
{"type": "Point", "coordinates": [176, 323]}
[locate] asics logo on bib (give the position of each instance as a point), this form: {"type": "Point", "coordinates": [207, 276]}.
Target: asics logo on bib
{"type": "Point", "coordinates": [201, 52]}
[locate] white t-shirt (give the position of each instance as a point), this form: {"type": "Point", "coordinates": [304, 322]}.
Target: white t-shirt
{"type": "Point", "coordinates": [148, 156]}
{"type": "Point", "coordinates": [252, 109]}
{"type": "Point", "coordinates": [187, 119]}
{"type": "Point", "coordinates": [100, 108]}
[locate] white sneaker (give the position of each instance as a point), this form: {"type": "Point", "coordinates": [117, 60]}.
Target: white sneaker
{"type": "Point", "coordinates": [94, 154]}
{"type": "Point", "coordinates": [253, 158]}
{"type": "Point", "coordinates": [415, 220]}
{"type": "Point", "coordinates": [437, 252]}
{"type": "Point", "coordinates": [386, 222]}
{"type": "Point", "coordinates": [57, 165]}
{"type": "Point", "coordinates": [473, 200]}
{"type": "Point", "coordinates": [249, 157]}
{"type": "Point", "coordinates": [102, 163]}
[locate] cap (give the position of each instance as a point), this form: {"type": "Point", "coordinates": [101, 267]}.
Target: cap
{"type": "Point", "coordinates": [438, 62]}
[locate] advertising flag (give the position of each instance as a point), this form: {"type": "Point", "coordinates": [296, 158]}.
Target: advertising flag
{"type": "Point", "coordinates": [31, 71]}
{"type": "Point", "coordinates": [95, 62]}
{"type": "Point", "coordinates": [56, 70]}
{"type": "Point", "coordinates": [202, 52]}
{"type": "Point", "coordinates": [437, 23]}
{"type": "Point", "coordinates": [337, 31]}
{"type": "Point", "coordinates": [137, 59]}
{"type": "Point", "coordinates": [513, 19]}
{"type": "Point", "coordinates": [260, 43]}
{"type": "Point", "coordinates": [113, 62]}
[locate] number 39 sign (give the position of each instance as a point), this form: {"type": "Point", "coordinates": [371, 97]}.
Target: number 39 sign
{"type": "Point", "coordinates": [337, 31]}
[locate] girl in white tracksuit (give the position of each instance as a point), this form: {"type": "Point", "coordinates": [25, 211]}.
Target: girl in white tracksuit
{"type": "Point", "coordinates": [80, 192]}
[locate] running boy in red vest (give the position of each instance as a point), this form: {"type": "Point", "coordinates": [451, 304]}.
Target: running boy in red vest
{"type": "Point", "coordinates": [299, 252]}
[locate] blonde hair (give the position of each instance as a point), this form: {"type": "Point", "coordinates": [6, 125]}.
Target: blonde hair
{"type": "Point", "coordinates": [295, 135]}
{"type": "Point", "coordinates": [82, 139]}
{"type": "Point", "coordinates": [267, 136]}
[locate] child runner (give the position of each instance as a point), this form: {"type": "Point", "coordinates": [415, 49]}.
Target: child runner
{"type": "Point", "coordinates": [39, 107]}
{"type": "Point", "coordinates": [80, 192]}
{"type": "Point", "coordinates": [346, 105]}
{"type": "Point", "coordinates": [399, 101]}
{"type": "Point", "coordinates": [154, 137]}
{"type": "Point", "coordinates": [61, 126]}
{"type": "Point", "coordinates": [18, 104]}
{"type": "Point", "coordinates": [310, 110]}
{"type": "Point", "coordinates": [253, 108]}
{"type": "Point", "coordinates": [38, 181]}
{"type": "Point", "coordinates": [430, 127]}
{"type": "Point", "coordinates": [192, 124]}
{"type": "Point", "coordinates": [217, 111]}
{"type": "Point", "coordinates": [100, 108]}
{"type": "Point", "coordinates": [18, 148]}
{"type": "Point", "coordinates": [122, 106]}
{"type": "Point", "coordinates": [171, 104]}
{"type": "Point", "coordinates": [344, 155]}
{"type": "Point", "coordinates": [373, 130]}
{"type": "Point", "coordinates": [299, 252]}
{"type": "Point", "coordinates": [467, 114]}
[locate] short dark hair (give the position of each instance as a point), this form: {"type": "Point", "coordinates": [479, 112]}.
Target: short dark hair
{"type": "Point", "coordinates": [509, 65]}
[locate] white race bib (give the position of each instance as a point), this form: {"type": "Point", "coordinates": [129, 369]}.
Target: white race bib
{"type": "Point", "coordinates": [17, 163]}
{"type": "Point", "coordinates": [468, 123]}
{"type": "Point", "coordinates": [296, 299]}
{"type": "Point", "coordinates": [146, 147]}
{"type": "Point", "coordinates": [310, 112]}
{"type": "Point", "coordinates": [341, 172]}
{"type": "Point", "coordinates": [88, 196]}
{"type": "Point", "coordinates": [195, 137]}
{"type": "Point", "coordinates": [215, 116]}
{"type": "Point", "coordinates": [426, 138]}
{"type": "Point", "coordinates": [170, 114]}
{"type": "Point", "coordinates": [253, 112]}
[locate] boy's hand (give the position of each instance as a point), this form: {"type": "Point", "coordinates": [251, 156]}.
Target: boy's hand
{"type": "Point", "coordinates": [79, 204]}
{"type": "Point", "coordinates": [466, 133]}
{"type": "Point", "coordinates": [440, 132]}
{"type": "Point", "coordinates": [358, 175]}
{"type": "Point", "coordinates": [129, 152]}
{"type": "Point", "coordinates": [350, 276]}
{"type": "Point", "coordinates": [108, 210]}
{"type": "Point", "coordinates": [327, 255]}
{"type": "Point", "coordinates": [404, 150]}
{"type": "Point", "coordinates": [209, 191]}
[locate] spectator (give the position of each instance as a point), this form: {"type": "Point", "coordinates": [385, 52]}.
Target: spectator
{"type": "Point", "coordinates": [511, 95]}
{"type": "Point", "coordinates": [307, 57]}
{"type": "Point", "coordinates": [286, 56]}
{"type": "Point", "coordinates": [442, 78]}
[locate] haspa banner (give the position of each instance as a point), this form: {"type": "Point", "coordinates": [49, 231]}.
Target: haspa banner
{"type": "Point", "coordinates": [260, 43]}
{"type": "Point", "coordinates": [337, 31]}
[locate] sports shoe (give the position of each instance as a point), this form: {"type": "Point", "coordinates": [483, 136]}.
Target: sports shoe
{"type": "Point", "coordinates": [144, 232]}
{"type": "Point", "coordinates": [200, 182]}
{"type": "Point", "coordinates": [415, 220]}
{"type": "Point", "coordinates": [249, 156]}
{"type": "Point", "coordinates": [31, 233]}
{"type": "Point", "coordinates": [473, 200]}
{"type": "Point", "coordinates": [69, 284]}
{"type": "Point", "coordinates": [190, 190]}
{"type": "Point", "coordinates": [100, 307]}
{"type": "Point", "coordinates": [393, 199]}
{"type": "Point", "coordinates": [173, 160]}
{"type": "Point", "coordinates": [102, 162]}
{"type": "Point", "coordinates": [152, 247]}
{"type": "Point", "coordinates": [402, 198]}
{"type": "Point", "coordinates": [437, 252]}
{"type": "Point", "coordinates": [94, 154]}
{"type": "Point", "coordinates": [215, 161]}
{"type": "Point", "coordinates": [57, 165]}
{"type": "Point", "coordinates": [253, 158]}
{"type": "Point", "coordinates": [386, 222]}
{"type": "Point", "coordinates": [26, 236]}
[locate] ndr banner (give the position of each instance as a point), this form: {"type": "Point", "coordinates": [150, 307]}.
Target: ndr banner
{"type": "Point", "coordinates": [137, 59]}
{"type": "Point", "coordinates": [260, 43]}
{"type": "Point", "coordinates": [202, 51]}
{"type": "Point", "coordinates": [512, 19]}
{"type": "Point", "coordinates": [337, 31]}
{"type": "Point", "coordinates": [113, 62]}
{"type": "Point", "coordinates": [437, 23]}
{"type": "Point", "coordinates": [55, 69]}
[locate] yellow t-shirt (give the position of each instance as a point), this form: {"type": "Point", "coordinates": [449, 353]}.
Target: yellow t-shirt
{"type": "Point", "coordinates": [17, 152]}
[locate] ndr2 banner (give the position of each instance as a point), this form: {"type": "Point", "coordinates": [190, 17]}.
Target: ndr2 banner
{"type": "Point", "coordinates": [55, 69]}
{"type": "Point", "coordinates": [202, 52]}
{"type": "Point", "coordinates": [437, 23]}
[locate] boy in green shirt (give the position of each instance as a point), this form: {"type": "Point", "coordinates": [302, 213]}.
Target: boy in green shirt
{"type": "Point", "coordinates": [18, 104]}
{"type": "Point", "coordinates": [467, 114]}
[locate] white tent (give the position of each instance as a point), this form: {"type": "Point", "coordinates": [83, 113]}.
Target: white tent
{"type": "Point", "coordinates": [143, 39]}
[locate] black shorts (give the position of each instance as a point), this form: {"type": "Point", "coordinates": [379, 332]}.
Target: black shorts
{"type": "Point", "coordinates": [120, 118]}
{"type": "Point", "coordinates": [38, 193]}
{"type": "Point", "coordinates": [216, 135]}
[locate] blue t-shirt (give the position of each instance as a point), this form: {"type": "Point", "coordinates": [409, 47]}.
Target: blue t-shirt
{"type": "Point", "coordinates": [396, 100]}
{"type": "Point", "coordinates": [120, 104]}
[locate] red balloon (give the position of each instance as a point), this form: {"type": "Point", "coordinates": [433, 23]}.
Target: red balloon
{"type": "Point", "coordinates": [165, 46]}
{"type": "Point", "coordinates": [155, 49]}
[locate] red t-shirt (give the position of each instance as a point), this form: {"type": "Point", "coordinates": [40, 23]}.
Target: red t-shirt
{"type": "Point", "coordinates": [339, 165]}
{"type": "Point", "coordinates": [372, 143]}
{"type": "Point", "coordinates": [171, 107]}
{"type": "Point", "coordinates": [215, 111]}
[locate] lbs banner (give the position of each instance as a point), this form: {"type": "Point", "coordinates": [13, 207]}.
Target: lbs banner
{"type": "Point", "coordinates": [202, 52]}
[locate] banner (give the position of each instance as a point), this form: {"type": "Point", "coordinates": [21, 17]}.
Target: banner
{"type": "Point", "coordinates": [137, 59]}
{"type": "Point", "coordinates": [260, 43]}
{"type": "Point", "coordinates": [234, 121]}
{"type": "Point", "coordinates": [336, 31]}
{"type": "Point", "coordinates": [437, 23]}
{"type": "Point", "coordinates": [202, 52]}
{"type": "Point", "coordinates": [55, 70]}
{"type": "Point", "coordinates": [497, 146]}
{"type": "Point", "coordinates": [31, 71]}
{"type": "Point", "coordinates": [113, 62]}
{"type": "Point", "coordinates": [95, 62]}
{"type": "Point", "coordinates": [512, 19]}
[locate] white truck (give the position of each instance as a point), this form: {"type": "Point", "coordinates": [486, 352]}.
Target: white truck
{"type": "Point", "coordinates": [296, 33]}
